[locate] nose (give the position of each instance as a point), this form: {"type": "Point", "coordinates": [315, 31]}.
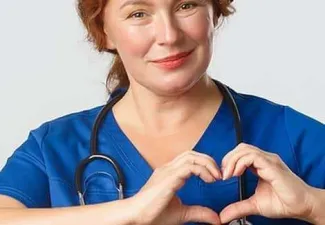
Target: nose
{"type": "Point", "coordinates": [168, 31]}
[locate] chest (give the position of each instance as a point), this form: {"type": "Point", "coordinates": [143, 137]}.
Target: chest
{"type": "Point", "coordinates": [159, 150]}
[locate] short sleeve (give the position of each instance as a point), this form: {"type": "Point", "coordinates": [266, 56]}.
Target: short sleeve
{"type": "Point", "coordinates": [24, 175]}
{"type": "Point", "coordinates": [307, 137]}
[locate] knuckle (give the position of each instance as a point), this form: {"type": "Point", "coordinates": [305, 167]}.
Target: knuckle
{"type": "Point", "coordinates": [243, 145]}
{"type": "Point", "coordinates": [191, 159]}
{"type": "Point", "coordinates": [259, 156]}
{"type": "Point", "coordinates": [189, 163]}
{"type": "Point", "coordinates": [188, 153]}
{"type": "Point", "coordinates": [275, 157]}
{"type": "Point", "coordinates": [206, 159]}
{"type": "Point", "coordinates": [187, 169]}
{"type": "Point", "coordinates": [205, 156]}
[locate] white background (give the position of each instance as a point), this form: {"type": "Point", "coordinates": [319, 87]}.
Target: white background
{"type": "Point", "coordinates": [271, 48]}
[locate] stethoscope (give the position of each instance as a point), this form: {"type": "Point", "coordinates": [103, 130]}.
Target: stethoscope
{"type": "Point", "coordinates": [121, 182]}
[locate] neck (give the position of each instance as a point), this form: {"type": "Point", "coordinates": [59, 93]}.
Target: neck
{"type": "Point", "coordinates": [160, 116]}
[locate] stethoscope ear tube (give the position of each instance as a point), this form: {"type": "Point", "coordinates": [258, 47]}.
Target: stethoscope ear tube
{"type": "Point", "coordinates": [99, 120]}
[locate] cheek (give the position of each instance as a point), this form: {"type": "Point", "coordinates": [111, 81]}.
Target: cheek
{"type": "Point", "coordinates": [132, 42]}
{"type": "Point", "coordinates": [200, 28]}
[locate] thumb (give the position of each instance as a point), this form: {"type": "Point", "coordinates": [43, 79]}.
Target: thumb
{"type": "Point", "coordinates": [200, 214]}
{"type": "Point", "coordinates": [237, 210]}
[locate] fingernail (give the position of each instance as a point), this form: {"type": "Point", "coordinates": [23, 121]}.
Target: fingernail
{"type": "Point", "coordinates": [225, 174]}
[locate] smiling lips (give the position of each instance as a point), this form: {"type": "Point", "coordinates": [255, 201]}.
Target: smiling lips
{"type": "Point", "coordinates": [173, 62]}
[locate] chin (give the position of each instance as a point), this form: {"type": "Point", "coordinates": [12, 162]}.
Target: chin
{"type": "Point", "coordinates": [173, 86]}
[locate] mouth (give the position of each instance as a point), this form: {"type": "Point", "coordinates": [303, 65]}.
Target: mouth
{"type": "Point", "coordinates": [173, 57]}
{"type": "Point", "coordinates": [173, 62]}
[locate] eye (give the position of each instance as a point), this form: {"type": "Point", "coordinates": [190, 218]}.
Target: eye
{"type": "Point", "coordinates": [136, 15]}
{"type": "Point", "coordinates": [188, 5]}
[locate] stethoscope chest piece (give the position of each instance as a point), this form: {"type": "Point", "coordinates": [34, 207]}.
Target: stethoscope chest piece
{"type": "Point", "coordinates": [238, 222]}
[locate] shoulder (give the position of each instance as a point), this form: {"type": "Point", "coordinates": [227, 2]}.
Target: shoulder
{"type": "Point", "coordinates": [296, 137]}
{"type": "Point", "coordinates": [258, 106]}
{"type": "Point", "coordinates": [257, 109]}
{"type": "Point", "coordinates": [72, 124]}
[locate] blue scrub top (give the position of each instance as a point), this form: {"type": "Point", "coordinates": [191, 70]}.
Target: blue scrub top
{"type": "Point", "coordinates": [40, 173]}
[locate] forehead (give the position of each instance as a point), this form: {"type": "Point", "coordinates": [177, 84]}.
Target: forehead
{"type": "Point", "coordinates": [124, 3]}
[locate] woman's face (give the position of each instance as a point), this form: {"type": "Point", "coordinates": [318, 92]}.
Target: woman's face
{"type": "Point", "coordinates": [143, 31]}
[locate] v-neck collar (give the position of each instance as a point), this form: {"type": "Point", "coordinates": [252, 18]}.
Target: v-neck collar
{"type": "Point", "coordinates": [214, 132]}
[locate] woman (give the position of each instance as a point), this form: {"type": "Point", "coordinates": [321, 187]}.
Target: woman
{"type": "Point", "coordinates": [171, 134]}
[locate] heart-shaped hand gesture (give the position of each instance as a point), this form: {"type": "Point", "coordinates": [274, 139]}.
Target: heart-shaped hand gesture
{"type": "Point", "coordinates": [279, 193]}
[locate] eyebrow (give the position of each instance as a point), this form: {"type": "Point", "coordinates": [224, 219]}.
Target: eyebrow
{"type": "Point", "coordinates": [135, 2]}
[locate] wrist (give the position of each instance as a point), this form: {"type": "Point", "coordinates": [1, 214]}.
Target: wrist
{"type": "Point", "coordinates": [317, 204]}
{"type": "Point", "coordinates": [130, 210]}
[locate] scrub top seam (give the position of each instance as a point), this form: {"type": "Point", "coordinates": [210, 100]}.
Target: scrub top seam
{"type": "Point", "coordinates": [125, 158]}
{"type": "Point", "coordinates": [25, 155]}
{"type": "Point", "coordinates": [45, 135]}
{"type": "Point", "coordinates": [289, 139]}
{"type": "Point", "coordinates": [41, 149]}
{"type": "Point", "coordinates": [41, 144]}
{"type": "Point", "coordinates": [15, 192]}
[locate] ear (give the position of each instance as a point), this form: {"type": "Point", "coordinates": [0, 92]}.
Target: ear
{"type": "Point", "coordinates": [109, 41]}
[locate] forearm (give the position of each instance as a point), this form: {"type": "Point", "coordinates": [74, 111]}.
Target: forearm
{"type": "Point", "coordinates": [117, 212]}
{"type": "Point", "coordinates": [317, 213]}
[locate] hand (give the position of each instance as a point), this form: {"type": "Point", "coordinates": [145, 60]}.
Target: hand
{"type": "Point", "coordinates": [156, 203]}
{"type": "Point", "coordinates": [279, 192]}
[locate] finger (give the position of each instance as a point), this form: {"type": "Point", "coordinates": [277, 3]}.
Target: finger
{"type": "Point", "coordinates": [229, 167]}
{"type": "Point", "coordinates": [212, 160]}
{"type": "Point", "coordinates": [260, 163]}
{"type": "Point", "coordinates": [200, 214]}
{"type": "Point", "coordinates": [194, 169]}
{"type": "Point", "coordinates": [229, 164]}
{"type": "Point", "coordinates": [237, 210]}
{"type": "Point", "coordinates": [242, 148]}
{"type": "Point", "coordinates": [177, 177]}
{"type": "Point", "coordinates": [243, 163]}
{"type": "Point", "coordinates": [199, 159]}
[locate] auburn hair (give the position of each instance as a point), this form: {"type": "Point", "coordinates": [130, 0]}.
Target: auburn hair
{"type": "Point", "coordinates": [91, 14]}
